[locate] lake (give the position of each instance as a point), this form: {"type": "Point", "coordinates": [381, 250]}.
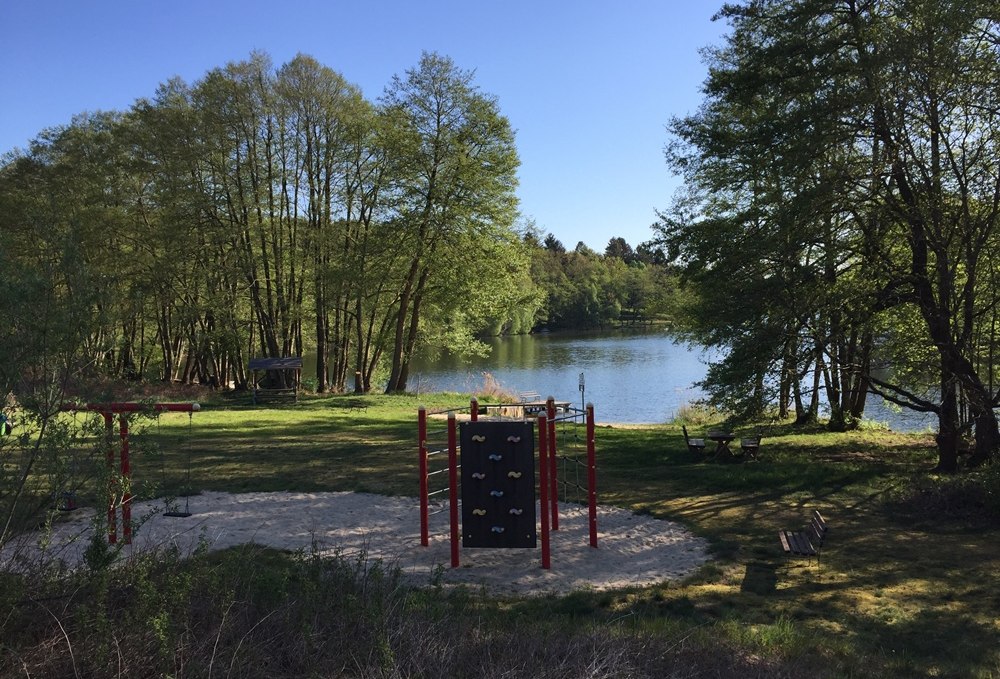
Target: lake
{"type": "Point", "coordinates": [629, 376]}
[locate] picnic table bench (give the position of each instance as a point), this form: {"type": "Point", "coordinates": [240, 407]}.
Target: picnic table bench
{"type": "Point", "coordinates": [694, 445]}
{"type": "Point", "coordinates": [806, 542]}
{"type": "Point", "coordinates": [749, 447]}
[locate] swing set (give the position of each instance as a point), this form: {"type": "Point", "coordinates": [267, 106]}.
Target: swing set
{"type": "Point", "coordinates": [122, 410]}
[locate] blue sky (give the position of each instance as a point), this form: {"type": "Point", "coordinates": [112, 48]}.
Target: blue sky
{"type": "Point", "coordinates": [589, 86]}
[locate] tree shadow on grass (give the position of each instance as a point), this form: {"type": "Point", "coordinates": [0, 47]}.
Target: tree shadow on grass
{"type": "Point", "coordinates": [760, 577]}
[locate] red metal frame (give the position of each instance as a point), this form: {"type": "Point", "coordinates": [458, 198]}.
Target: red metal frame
{"type": "Point", "coordinates": [591, 475]}
{"type": "Point", "coordinates": [547, 482]}
{"type": "Point", "coordinates": [543, 487]}
{"type": "Point", "coordinates": [108, 411]}
{"type": "Point", "coordinates": [422, 453]}
{"type": "Point", "coordinates": [453, 486]}
{"type": "Point", "coordinates": [550, 408]}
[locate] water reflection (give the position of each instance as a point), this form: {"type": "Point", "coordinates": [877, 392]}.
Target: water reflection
{"type": "Point", "coordinates": [631, 377]}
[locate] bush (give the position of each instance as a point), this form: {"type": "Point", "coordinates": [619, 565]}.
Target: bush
{"type": "Point", "coordinates": [256, 612]}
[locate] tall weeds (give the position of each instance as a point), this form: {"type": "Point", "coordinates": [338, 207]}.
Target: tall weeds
{"type": "Point", "coordinates": [254, 612]}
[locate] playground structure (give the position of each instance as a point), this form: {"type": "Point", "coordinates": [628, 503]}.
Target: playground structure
{"type": "Point", "coordinates": [108, 412]}
{"type": "Point", "coordinates": [516, 440]}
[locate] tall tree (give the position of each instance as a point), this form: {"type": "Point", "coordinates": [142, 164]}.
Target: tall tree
{"type": "Point", "coordinates": [459, 184]}
{"type": "Point", "coordinates": [870, 130]}
{"type": "Point", "coordinates": [325, 115]}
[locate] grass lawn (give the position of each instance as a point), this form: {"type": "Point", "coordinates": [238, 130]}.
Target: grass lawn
{"type": "Point", "coordinates": [903, 587]}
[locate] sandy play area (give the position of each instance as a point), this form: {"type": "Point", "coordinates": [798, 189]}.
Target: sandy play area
{"type": "Point", "coordinates": [633, 549]}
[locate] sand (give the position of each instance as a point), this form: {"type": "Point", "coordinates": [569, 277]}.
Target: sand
{"type": "Point", "coordinates": [633, 550]}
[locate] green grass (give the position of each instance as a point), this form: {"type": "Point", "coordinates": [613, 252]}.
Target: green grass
{"type": "Point", "coordinates": [901, 589]}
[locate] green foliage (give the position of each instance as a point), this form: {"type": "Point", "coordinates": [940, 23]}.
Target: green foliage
{"type": "Point", "coordinates": [262, 209]}
{"type": "Point", "coordinates": [837, 222]}
{"type": "Point", "coordinates": [584, 290]}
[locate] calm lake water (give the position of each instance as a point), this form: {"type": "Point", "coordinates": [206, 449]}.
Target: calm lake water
{"type": "Point", "coordinates": [629, 376]}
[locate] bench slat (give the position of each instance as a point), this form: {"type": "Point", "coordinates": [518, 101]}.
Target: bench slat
{"type": "Point", "coordinates": [784, 541]}
{"type": "Point", "coordinates": [796, 543]}
{"type": "Point", "coordinates": [805, 542]}
{"type": "Point", "coordinates": [804, 547]}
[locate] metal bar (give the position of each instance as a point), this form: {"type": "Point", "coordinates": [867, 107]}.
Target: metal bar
{"type": "Point", "coordinates": [453, 486]}
{"type": "Point", "coordinates": [126, 476]}
{"type": "Point", "coordinates": [592, 475]}
{"type": "Point", "coordinates": [543, 483]}
{"type": "Point", "coordinates": [123, 407]}
{"type": "Point", "coordinates": [550, 406]}
{"type": "Point", "coordinates": [422, 461]}
{"type": "Point", "coordinates": [110, 454]}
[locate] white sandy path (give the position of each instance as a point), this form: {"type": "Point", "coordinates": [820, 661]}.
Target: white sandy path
{"type": "Point", "coordinates": [633, 549]}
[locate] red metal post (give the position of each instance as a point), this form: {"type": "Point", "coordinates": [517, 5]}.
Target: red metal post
{"type": "Point", "coordinates": [453, 486]}
{"type": "Point", "coordinates": [109, 426]}
{"type": "Point", "coordinates": [543, 487]}
{"type": "Point", "coordinates": [591, 475]}
{"type": "Point", "coordinates": [422, 463]}
{"type": "Point", "coordinates": [550, 407]}
{"type": "Point", "coordinates": [108, 411]}
{"type": "Point", "coordinates": [474, 410]}
{"type": "Point", "coordinates": [126, 472]}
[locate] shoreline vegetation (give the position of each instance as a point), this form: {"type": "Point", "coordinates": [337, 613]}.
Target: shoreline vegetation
{"type": "Point", "coordinates": [908, 551]}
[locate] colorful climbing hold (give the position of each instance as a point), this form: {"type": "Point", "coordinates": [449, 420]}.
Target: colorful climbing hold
{"type": "Point", "coordinates": [514, 439]}
{"type": "Point", "coordinates": [514, 475]}
{"type": "Point", "coordinates": [478, 438]}
{"type": "Point", "coordinates": [497, 529]}
{"type": "Point", "coordinates": [496, 493]}
{"type": "Point", "coordinates": [479, 476]}
{"type": "Point", "coordinates": [516, 512]}
{"type": "Point", "coordinates": [479, 512]}
{"type": "Point", "coordinates": [495, 457]}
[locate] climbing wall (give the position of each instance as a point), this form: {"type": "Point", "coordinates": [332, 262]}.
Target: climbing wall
{"type": "Point", "coordinates": [498, 484]}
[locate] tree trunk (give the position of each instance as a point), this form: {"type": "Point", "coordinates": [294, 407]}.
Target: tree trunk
{"type": "Point", "coordinates": [947, 437]}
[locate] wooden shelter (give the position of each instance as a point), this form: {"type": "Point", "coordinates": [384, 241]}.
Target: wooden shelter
{"type": "Point", "coordinates": [285, 365]}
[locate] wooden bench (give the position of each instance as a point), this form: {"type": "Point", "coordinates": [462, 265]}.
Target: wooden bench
{"type": "Point", "coordinates": [694, 445]}
{"type": "Point", "coordinates": [807, 542]}
{"type": "Point", "coordinates": [356, 404]}
{"type": "Point", "coordinates": [750, 447]}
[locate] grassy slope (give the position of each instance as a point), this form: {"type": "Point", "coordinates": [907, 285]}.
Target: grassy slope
{"type": "Point", "coordinates": [892, 596]}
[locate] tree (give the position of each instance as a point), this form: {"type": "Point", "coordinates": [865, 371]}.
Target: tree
{"type": "Point", "coordinates": [553, 244]}
{"type": "Point", "coordinates": [260, 209]}
{"type": "Point", "coordinates": [458, 187]}
{"type": "Point", "coordinates": [619, 248]}
{"type": "Point", "coordinates": [326, 116]}
{"type": "Point", "coordinates": [855, 144]}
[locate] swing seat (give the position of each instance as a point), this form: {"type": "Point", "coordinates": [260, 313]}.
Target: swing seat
{"type": "Point", "coordinates": [178, 515]}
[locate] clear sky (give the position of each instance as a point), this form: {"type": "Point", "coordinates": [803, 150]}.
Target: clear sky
{"type": "Point", "coordinates": [589, 85]}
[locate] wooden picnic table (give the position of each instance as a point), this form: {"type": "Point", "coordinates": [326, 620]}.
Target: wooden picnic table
{"type": "Point", "coordinates": [722, 440]}
{"type": "Point", "coordinates": [535, 407]}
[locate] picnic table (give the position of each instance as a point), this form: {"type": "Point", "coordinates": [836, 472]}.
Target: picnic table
{"type": "Point", "coordinates": [539, 406]}
{"type": "Point", "coordinates": [722, 440]}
